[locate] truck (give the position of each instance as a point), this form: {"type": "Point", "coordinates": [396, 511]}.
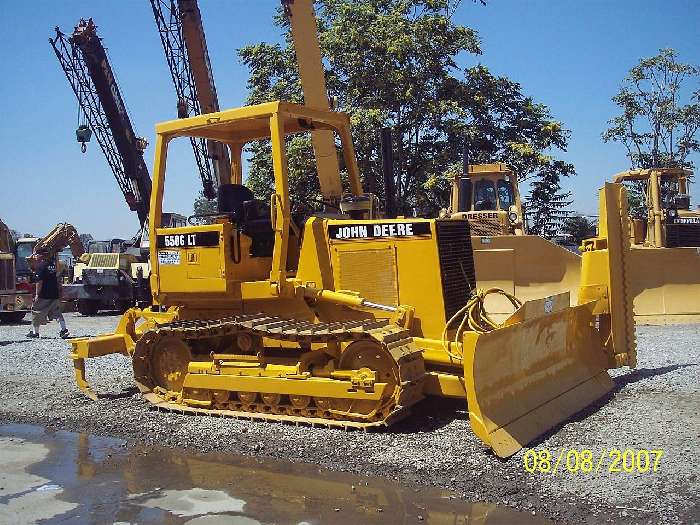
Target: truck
{"type": "Point", "coordinates": [13, 302]}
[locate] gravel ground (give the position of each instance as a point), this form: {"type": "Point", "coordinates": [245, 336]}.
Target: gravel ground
{"type": "Point", "coordinates": [653, 407]}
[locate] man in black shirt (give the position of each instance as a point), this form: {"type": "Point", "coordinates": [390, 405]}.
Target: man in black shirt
{"type": "Point", "coordinates": [46, 298]}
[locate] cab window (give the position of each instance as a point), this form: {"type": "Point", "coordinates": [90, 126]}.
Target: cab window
{"type": "Point", "coordinates": [506, 196]}
{"type": "Point", "coordinates": [484, 196]}
{"type": "Point", "coordinates": [24, 250]}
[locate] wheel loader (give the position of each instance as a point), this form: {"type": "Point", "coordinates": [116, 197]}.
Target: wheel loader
{"type": "Point", "coordinates": [347, 320]}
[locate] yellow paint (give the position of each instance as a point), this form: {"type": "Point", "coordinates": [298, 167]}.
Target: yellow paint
{"type": "Point", "coordinates": [549, 354]}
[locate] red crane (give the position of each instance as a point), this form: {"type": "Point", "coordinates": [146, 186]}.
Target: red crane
{"type": "Point", "coordinates": [87, 68]}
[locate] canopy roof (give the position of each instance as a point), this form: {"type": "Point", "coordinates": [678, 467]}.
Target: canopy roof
{"type": "Point", "coordinates": [241, 125]}
{"type": "Point", "coordinates": [645, 174]}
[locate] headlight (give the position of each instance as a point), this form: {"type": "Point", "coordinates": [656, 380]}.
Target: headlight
{"type": "Point", "coordinates": [513, 217]}
{"type": "Point", "coordinates": [672, 213]}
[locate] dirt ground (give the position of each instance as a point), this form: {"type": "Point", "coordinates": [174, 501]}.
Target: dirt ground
{"type": "Point", "coordinates": [652, 408]}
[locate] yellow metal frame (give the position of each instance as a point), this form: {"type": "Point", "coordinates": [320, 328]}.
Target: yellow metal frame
{"type": "Point", "coordinates": [546, 355]}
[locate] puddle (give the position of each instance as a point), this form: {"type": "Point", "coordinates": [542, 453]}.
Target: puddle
{"type": "Point", "coordinates": [79, 478]}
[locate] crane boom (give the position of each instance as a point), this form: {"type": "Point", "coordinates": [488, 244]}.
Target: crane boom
{"type": "Point", "coordinates": [87, 68]}
{"type": "Point", "coordinates": [182, 35]}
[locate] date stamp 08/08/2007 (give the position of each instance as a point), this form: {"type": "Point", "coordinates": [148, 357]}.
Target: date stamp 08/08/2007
{"type": "Point", "coordinates": [586, 461]}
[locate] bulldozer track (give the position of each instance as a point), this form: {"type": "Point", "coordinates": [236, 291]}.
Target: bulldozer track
{"type": "Point", "coordinates": [396, 341]}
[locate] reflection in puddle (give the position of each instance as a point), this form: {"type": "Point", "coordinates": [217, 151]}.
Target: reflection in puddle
{"type": "Point", "coordinates": [194, 502]}
{"type": "Point", "coordinates": [102, 481]}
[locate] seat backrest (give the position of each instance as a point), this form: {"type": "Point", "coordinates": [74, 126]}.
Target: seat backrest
{"type": "Point", "coordinates": [230, 199]}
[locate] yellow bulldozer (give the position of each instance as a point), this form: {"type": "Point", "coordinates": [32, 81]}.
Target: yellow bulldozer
{"type": "Point", "coordinates": [665, 256]}
{"type": "Point", "coordinates": [487, 196]}
{"type": "Point", "coordinates": [505, 257]}
{"type": "Point", "coordinates": [664, 264]}
{"type": "Point", "coordinates": [347, 320]}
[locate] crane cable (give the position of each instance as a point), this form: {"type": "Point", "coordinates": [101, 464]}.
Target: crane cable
{"type": "Point", "coordinates": [475, 317]}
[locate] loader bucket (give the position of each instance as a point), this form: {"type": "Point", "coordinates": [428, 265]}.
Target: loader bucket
{"type": "Point", "coordinates": [526, 378]}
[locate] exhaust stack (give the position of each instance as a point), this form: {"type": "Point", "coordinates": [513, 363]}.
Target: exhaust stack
{"type": "Point", "coordinates": [388, 172]}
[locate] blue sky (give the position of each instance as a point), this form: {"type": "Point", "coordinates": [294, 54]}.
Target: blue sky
{"type": "Point", "coordinates": [570, 55]}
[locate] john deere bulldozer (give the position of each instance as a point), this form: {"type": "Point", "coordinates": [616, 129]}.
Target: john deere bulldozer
{"type": "Point", "coordinates": [347, 320]}
{"type": "Point", "coordinates": [505, 256]}
{"type": "Point", "coordinates": [665, 256]}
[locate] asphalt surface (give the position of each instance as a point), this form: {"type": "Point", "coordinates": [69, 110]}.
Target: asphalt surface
{"type": "Point", "coordinates": [653, 408]}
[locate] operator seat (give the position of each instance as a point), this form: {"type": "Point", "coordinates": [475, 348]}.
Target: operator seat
{"type": "Point", "coordinates": [230, 199]}
{"type": "Point", "coordinates": [251, 216]}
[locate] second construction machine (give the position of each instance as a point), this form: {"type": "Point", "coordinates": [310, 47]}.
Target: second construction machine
{"type": "Point", "coordinates": [505, 256]}
{"type": "Point", "coordinates": [349, 320]}
{"type": "Point", "coordinates": [13, 302]}
{"type": "Point", "coordinates": [665, 256]}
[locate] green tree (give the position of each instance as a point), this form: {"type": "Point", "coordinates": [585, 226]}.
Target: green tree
{"type": "Point", "coordinates": [659, 120]}
{"type": "Point", "coordinates": [394, 63]}
{"type": "Point", "coordinates": [203, 205]}
{"type": "Point", "coordinates": [579, 227]}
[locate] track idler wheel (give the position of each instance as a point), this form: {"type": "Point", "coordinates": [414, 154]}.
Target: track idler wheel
{"type": "Point", "coordinates": [161, 365]}
{"type": "Point", "coordinates": [367, 356]}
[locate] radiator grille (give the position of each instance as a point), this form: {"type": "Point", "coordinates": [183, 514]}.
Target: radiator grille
{"type": "Point", "coordinates": [7, 274]}
{"type": "Point", "coordinates": [104, 260]}
{"type": "Point", "coordinates": [485, 227]}
{"type": "Point", "coordinates": [355, 267]}
{"type": "Point", "coordinates": [456, 263]}
{"type": "Point", "coordinates": [682, 235]}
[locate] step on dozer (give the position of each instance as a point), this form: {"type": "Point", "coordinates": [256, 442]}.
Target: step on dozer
{"type": "Point", "coordinates": [347, 319]}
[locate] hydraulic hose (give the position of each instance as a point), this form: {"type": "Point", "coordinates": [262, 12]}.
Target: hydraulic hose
{"type": "Point", "coordinates": [474, 316]}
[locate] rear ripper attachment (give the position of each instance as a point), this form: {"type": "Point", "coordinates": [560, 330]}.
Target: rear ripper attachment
{"type": "Point", "coordinates": [266, 367]}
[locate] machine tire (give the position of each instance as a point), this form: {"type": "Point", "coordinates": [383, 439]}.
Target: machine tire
{"type": "Point", "coordinates": [11, 317]}
{"type": "Point", "coordinates": [88, 306]}
{"type": "Point", "coordinates": [122, 305]}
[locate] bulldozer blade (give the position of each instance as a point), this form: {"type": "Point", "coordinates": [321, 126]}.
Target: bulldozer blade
{"type": "Point", "coordinates": [527, 266]}
{"type": "Point", "coordinates": [526, 378]}
{"type": "Point", "coordinates": [665, 285]}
